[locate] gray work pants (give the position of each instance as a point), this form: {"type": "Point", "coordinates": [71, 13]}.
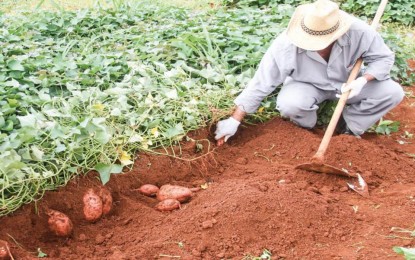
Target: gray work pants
{"type": "Point", "coordinates": [299, 101]}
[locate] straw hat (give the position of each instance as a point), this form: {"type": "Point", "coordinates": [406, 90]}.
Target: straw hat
{"type": "Point", "coordinates": [315, 26]}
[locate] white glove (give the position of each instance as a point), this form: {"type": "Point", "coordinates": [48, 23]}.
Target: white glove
{"type": "Point", "coordinates": [226, 128]}
{"type": "Point", "coordinates": [355, 87]}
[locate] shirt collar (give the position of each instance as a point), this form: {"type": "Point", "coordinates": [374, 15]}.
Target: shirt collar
{"type": "Point", "coordinates": [344, 40]}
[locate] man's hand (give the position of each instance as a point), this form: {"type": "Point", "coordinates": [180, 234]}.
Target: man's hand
{"type": "Point", "coordinates": [225, 129]}
{"type": "Point", "coordinates": [355, 87]}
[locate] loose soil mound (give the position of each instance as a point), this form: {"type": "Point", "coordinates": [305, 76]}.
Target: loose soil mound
{"type": "Point", "coordinates": [254, 200]}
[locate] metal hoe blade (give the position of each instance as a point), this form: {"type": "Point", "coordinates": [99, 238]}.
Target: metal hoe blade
{"type": "Point", "coordinates": [361, 188]}
{"type": "Point", "coordinates": [323, 168]}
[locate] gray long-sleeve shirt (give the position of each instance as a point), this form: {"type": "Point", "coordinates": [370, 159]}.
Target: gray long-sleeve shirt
{"type": "Point", "coordinates": [283, 60]}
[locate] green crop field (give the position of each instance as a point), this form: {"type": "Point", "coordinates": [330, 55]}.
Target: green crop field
{"type": "Point", "coordinates": [15, 6]}
{"type": "Point", "coordinates": [86, 88]}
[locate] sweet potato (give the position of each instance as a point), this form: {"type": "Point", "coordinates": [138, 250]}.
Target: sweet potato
{"type": "Point", "coordinates": [92, 206]}
{"type": "Point", "coordinates": [149, 190]}
{"type": "Point", "coordinates": [106, 198]}
{"type": "Point", "coordinates": [182, 194]}
{"type": "Point", "coordinates": [168, 205]}
{"type": "Point", "coordinates": [5, 253]}
{"type": "Point", "coordinates": [59, 223]}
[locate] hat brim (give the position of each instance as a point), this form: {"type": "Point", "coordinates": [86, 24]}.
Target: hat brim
{"type": "Point", "coordinates": [315, 42]}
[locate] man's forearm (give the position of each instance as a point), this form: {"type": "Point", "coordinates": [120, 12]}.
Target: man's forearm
{"type": "Point", "coordinates": [238, 114]}
{"type": "Point", "coordinates": [368, 77]}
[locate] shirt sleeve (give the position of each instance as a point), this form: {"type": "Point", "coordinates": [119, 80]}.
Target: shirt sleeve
{"type": "Point", "coordinates": [270, 73]}
{"type": "Point", "coordinates": [378, 58]}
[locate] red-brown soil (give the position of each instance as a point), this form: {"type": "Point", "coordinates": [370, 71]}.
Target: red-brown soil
{"type": "Point", "coordinates": [254, 200]}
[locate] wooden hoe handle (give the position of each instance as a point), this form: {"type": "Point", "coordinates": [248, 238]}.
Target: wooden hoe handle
{"type": "Point", "coordinates": [343, 99]}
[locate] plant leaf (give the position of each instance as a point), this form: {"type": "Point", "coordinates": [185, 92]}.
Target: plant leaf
{"type": "Point", "coordinates": [105, 171]}
{"type": "Point", "coordinates": [15, 65]}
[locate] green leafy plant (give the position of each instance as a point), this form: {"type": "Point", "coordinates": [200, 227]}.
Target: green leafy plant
{"type": "Point", "coordinates": [401, 11]}
{"type": "Point", "coordinates": [260, 3]}
{"type": "Point", "coordinates": [85, 90]}
{"type": "Point", "coordinates": [404, 47]}
{"type": "Point", "coordinates": [387, 127]}
{"type": "Point", "coordinates": [325, 112]}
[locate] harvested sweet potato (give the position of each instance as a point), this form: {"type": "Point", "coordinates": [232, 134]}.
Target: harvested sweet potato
{"type": "Point", "coordinates": [92, 206]}
{"type": "Point", "coordinates": [168, 205]}
{"type": "Point", "coordinates": [106, 198]}
{"type": "Point", "coordinates": [179, 193]}
{"type": "Point", "coordinates": [5, 253]}
{"type": "Point", "coordinates": [149, 190]}
{"type": "Point", "coordinates": [59, 223]}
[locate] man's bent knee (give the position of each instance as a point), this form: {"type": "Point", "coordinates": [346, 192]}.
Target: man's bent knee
{"type": "Point", "coordinates": [397, 95]}
{"type": "Point", "coordinates": [305, 119]}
